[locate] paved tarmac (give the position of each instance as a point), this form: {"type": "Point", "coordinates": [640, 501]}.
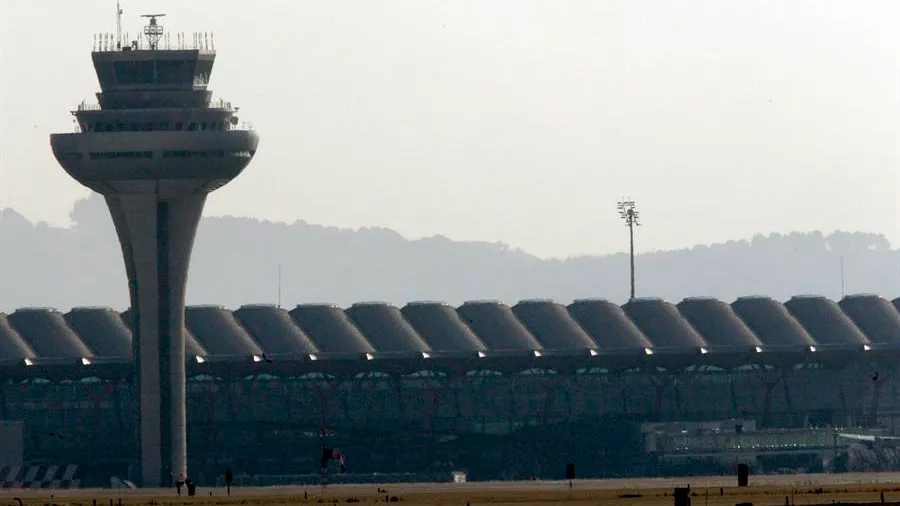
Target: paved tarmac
{"type": "Point", "coordinates": [695, 482]}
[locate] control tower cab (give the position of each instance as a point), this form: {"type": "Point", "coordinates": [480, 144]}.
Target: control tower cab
{"type": "Point", "coordinates": [155, 145]}
{"type": "Point", "coordinates": [155, 128]}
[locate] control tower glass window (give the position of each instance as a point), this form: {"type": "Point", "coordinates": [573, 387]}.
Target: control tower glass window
{"type": "Point", "coordinates": [106, 74]}
{"type": "Point", "coordinates": [134, 72]}
{"type": "Point", "coordinates": [174, 72]}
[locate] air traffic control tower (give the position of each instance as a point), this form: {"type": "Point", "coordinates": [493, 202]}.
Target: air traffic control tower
{"type": "Point", "coordinates": [155, 146]}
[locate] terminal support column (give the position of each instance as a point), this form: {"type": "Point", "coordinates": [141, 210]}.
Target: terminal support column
{"type": "Point", "coordinates": [157, 237]}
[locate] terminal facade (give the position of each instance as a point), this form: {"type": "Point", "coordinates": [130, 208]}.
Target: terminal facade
{"type": "Point", "coordinates": [500, 392]}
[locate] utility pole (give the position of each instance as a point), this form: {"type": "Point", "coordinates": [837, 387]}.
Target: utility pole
{"type": "Point", "coordinates": [629, 213]}
{"type": "Point", "coordinates": [279, 286]}
{"type": "Point", "coordinates": [842, 276]}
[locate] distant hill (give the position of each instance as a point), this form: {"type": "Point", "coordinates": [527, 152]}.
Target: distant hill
{"type": "Point", "coordinates": [236, 262]}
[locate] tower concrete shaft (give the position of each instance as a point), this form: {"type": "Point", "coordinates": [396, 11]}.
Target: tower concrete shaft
{"type": "Point", "coordinates": [157, 237]}
{"type": "Point", "coordinates": [155, 146]}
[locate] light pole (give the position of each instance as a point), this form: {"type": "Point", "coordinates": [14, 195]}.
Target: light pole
{"type": "Point", "coordinates": [629, 213]}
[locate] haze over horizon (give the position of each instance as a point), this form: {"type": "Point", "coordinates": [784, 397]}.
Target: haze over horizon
{"type": "Point", "coordinates": [514, 121]}
{"type": "Point", "coordinates": [240, 261]}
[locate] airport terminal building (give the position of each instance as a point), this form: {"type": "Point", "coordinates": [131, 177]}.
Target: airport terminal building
{"type": "Point", "coordinates": [498, 392]}
{"type": "Point", "coordinates": [494, 391]}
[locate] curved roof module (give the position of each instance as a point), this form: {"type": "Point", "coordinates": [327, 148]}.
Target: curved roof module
{"type": "Point", "coordinates": [771, 322]}
{"type": "Point", "coordinates": [552, 325]}
{"type": "Point", "coordinates": [191, 347]}
{"type": "Point", "coordinates": [48, 333]}
{"type": "Point", "coordinates": [497, 326]}
{"type": "Point", "coordinates": [663, 324]}
{"type": "Point", "coordinates": [825, 320]}
{"type": "Point", "coordinates": [441, 327]}
{"type": "Point", "coordinates": [102, 329]}
{"type": "Point", "coordinates": [12, 346]}
{"type": "Point", "coordinates": [875, 316]}
{"type": "Point", "coordinates": [717, 322]}
{"type": "Point", "coordinates": [274, 329]}
{"type": "Point", "coordinates": [330, 329]}
{"type": "Point", "coordinates": [608, 324]}
{"type": "Point", "coordinates": [219, 332]}
{"type": "Point", "coordinates": [384, 327]}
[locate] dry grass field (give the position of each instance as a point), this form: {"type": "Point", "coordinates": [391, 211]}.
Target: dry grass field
{"type": "Point", "coordinates": [706, 491]}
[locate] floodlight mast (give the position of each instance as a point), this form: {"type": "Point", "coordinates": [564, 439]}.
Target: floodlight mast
{"type": "Point", "coordinates": [629, 213]}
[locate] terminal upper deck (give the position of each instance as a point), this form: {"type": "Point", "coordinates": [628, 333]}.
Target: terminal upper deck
{"type": "Point", "coordinates": [670, 335]}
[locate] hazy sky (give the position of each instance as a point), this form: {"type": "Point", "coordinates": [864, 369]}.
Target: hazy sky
{"type": "Point", "coordinates": [508, 120]}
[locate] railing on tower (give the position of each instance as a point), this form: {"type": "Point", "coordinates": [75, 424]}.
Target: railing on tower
{"type": "Point", "coordinates": [213, 104]}
{"type": "Point", "coordinates": [198, 41]}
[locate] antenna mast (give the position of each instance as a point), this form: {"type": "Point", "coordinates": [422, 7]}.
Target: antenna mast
{"type": "Point", "coordinates": [118, 26]}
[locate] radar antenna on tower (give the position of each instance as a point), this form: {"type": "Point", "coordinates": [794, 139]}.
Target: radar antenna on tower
{"type": "Point", "coordinates": [153, 31]}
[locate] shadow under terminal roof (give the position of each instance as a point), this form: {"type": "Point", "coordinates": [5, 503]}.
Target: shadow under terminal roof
{"type": "Point", "coordinates": [102, 329]}
{"type": "Point", "coordinates": [384, 327]}
{"type": "Point", "coordinates": [717, 322]}
{"type": "Point", "coordinates": [825, 320]}
{"type": "Point", "coordinates": [441, 327]}
{"type": "Point", "coordinates": [191, 347]}
{"type": "Point", "coordinates": [48, 333]}
{"type": "Point", "coordinates": [875, 316]}
{"type": "Point", "coordinates": [274, 329]}
{"type": "Point", "coordinates": [772, 322]}
{"type": "Point", "coordinates": [608, 324]}
{"type": "Point", "coordinates": [330, 329]}
{"type": "Point", "coordinates": [497, 326]}
{"type": "Point", "coordinates": [552, 325]}
{"type": "Point", "coordinates": [12, 345]}
{"type": "Point", "coordinates": [218, 331]}
{"type": "Point", "coordinates": [663, 324]}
